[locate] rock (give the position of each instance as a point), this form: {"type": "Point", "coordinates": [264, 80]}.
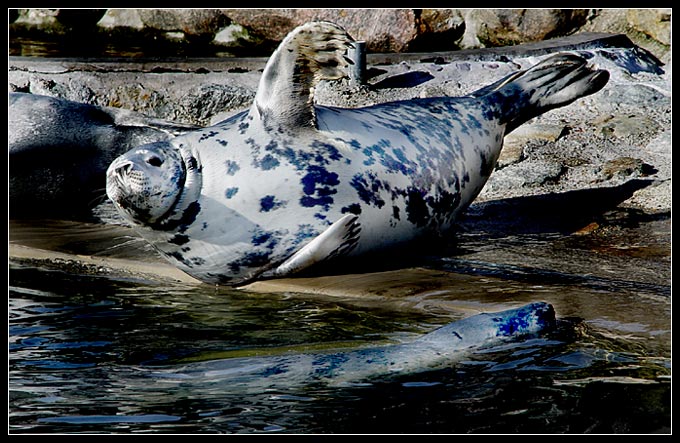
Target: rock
{"type": "Point", "coordinates": [38, 17]}
{"type": "Point", "coordinates": [59, 20]}
{"type": "Point", "coordinates": [235, 35]}
{"type": "Point", "coordinates": [513, 144]}
{"type": "Point", "coordinates": [632, 23]}
{"type": "Point", "coordinates": [513, 152]}
{"type": "Point", "coordinates": [383, 30]}
{"type": "Point", "coordinates": [189, 21]}
{"type": "Point", "coordinates": [656, 198]}
{"type": "Point", "coordinates": [514, 177]}
{"type": "Point", "coordinates": [655, 23]}
{"type": "Point", "coordinates": [625, 167]}
{"type": "Point", "coordinates": [438, 30]}
{"type": "Point", "coordinates": [121, 18]}
{"type": "Point", "coordinates": [624, 126]}
{"type": "Point", "coordinates": [502, 27]}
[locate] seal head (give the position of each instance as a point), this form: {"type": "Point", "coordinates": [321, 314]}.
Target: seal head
{"type": "Point", "coordinates": [146, 183]}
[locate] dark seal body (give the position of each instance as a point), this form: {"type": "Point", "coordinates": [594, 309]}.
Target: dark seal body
{"type": "Point", "coordinates": [59, 150]}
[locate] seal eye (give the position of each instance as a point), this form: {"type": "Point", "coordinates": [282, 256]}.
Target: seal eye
{"type": "Point", "coordinates": [154, 161]}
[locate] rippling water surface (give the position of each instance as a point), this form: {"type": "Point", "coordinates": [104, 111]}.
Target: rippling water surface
{"type": "Point", "coordinates": [85, 351]}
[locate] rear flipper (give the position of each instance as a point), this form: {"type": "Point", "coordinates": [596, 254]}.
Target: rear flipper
{"type": "Point", "coordinates": [555, 82]}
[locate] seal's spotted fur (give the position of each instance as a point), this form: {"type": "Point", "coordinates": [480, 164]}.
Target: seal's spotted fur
{"type": "Point", "coordinates": [288, 184]}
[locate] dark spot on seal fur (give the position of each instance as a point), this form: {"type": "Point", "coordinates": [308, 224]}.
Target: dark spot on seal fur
{"type": "Point", "coordinates": [317, 184]}
{"type": "Point", "coordinates": [250, 260]}
{"type": "Point", "coordinates": [269, 203]}
{"type": "Point", "coordinates": [179, 239]}
{"type": "Point", "coordinates": [444, 204]}
{"type": "Point", "coordinates": [230, 192]}
{"type": "Point", "coordinates": [395, 212]}
{"type": "Point", "coordinates": [208, 134]}
{"type": "Point", "coordinates": [267, 162]}
{"type": "Point", "coordinates": [354, 208]}
{"type": "Point", "coordinates": [189, 216]}
{"type": "Point", "coordinates": [368, 192]}
{"type": "Point", "coordinates": [192, 163]}
{"type": "Point", "coordinates": [259, 239]}
{"type": "Point", "coordinates": [487, 165]}
{"type": "Point", "coordinates": [232, 167]}
{"type": "Point", "coordinates": [416, 208]}
{"type": "Point", "coordinates": [182, 224]}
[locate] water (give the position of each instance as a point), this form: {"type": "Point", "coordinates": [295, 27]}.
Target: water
{"type": "Point", "coordinates": [85, 351]}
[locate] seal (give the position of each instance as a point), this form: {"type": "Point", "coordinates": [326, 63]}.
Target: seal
{"type": "Point", "coordinates": [59, 151]}
{"type": "Point", "coordinates": [431, 351]}
{"type": "Point", "coordinates": [288, 184]}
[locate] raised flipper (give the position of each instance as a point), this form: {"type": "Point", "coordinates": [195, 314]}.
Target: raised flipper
{"type": "Point", "coordinates": [311, 52]}
{"type": "Point", "coordinates": [338, 240]}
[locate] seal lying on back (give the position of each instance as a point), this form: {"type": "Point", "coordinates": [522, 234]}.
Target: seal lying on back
{"type": "Point", "coordinates": [288, 184]}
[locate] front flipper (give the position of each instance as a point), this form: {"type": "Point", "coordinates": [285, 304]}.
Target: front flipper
{"type": "Point", "coordinates": [336, 241]}
{"type": "Point", "coordinates": [311, 52]}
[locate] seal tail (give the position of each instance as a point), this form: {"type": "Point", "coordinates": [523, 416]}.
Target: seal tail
{"type": "Point", "coordinates": [553, 83]}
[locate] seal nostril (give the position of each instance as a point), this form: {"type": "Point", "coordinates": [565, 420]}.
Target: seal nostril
{"type": "Point", "coordinates": [154, 161]}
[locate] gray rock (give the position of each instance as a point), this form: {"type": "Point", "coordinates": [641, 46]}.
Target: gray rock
{"type": "Point", "coordinates": [383, 30]}
{"type": "Point", "coordinates": [502, 27]}
{"type": "Point", "coordinates": [188, 21]}
{"type": "Point", "coordinates": [513, 144]}
{"type": "Point", "coordinates": [625, 126]}
{"type": "Point", "coordinates": [624, 167]}
{"type": "Point", "coordinates": [655, 23]}
{"type": "Point", "coordinates": [121, 18]}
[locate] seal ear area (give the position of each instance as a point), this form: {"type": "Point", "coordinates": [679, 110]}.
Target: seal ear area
{"type": "Point", "coordinates": [338, 240]}
{"type": "Point", "coordinates": [311, 52]}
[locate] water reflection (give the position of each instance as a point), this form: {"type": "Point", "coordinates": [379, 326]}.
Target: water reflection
{"type": "Point", "coordinates": [85, 353]}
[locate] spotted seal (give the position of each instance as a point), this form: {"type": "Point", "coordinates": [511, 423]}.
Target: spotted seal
{"type": "Point", "coordinates": [430, 351]}
{"type": "Point", "coordinates": [288, 184]}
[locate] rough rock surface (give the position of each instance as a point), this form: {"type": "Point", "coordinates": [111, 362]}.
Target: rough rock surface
{"type": "Point", "coordinates": [384, 30]}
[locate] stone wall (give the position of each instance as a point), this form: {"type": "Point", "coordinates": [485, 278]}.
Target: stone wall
{"type": "Point", "coordinates": [384, 30]}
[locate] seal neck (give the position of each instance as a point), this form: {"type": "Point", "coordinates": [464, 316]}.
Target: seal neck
{"type": "Point", "coordinates": [185, 209]}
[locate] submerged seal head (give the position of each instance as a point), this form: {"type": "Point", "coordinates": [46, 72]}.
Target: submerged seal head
{"type": "Point", "coordinates": [147, 183]}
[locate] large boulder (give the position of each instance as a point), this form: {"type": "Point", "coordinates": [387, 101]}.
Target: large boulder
{"type": "Point", "coordinates": [504, 27]}
{"type": "Point", "coordinates": [384, 30]}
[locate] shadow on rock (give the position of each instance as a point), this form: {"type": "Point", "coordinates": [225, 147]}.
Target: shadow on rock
{"type": "Point", "coordinates": [405, 80]}
{"type": "Point", "coordinates": [554, 213]}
